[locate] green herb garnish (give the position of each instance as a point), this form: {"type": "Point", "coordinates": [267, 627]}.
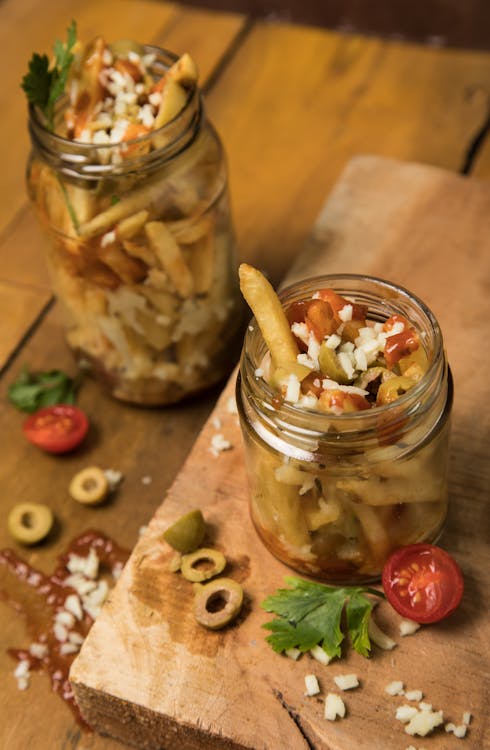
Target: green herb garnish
{"type": "Point", "coordinates": [114, 200]}
{"type": "Point", "coordinates": [33, 390]}
{"type": "Point", "coordinates": [310, 614]}
{"type": "Point", "coordinates": [43, 85]}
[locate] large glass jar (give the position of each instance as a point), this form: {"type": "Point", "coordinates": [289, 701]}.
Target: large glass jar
{"type": "Point", "coordinates": [141, 251]}
{"type": "Point", "coordinates": [332, 495]}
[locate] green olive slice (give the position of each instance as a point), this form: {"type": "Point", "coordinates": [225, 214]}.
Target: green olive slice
{"type": "Point", "coordinates": [187, 533]}
{"type": "Point", "coordinates": [89, 486]}
{"type": "Point", "coordinates": [372, 378]}
{"type": "Point", "coordinates": [330, 365]}
{"type": "Point", "coordinates": [218, 602]}
{"type": "Point", "coordinates": [393, 388]}
{"type": "Point", "coordinates": [189, 563]}
{"type": "Point", "coordinates": [29, 523]}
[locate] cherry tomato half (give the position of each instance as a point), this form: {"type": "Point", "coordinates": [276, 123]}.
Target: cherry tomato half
{"type": "Point", "coordinates": [422, 582]}
{"type": "Point", "coordinates": [56, 429]}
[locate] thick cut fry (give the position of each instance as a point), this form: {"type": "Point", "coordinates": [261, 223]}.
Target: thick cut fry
{"type": "Point", "coordinates": [270, 316]}
{"type": "Point", "coordinates": [184, 71]}
{"type": "Point", "coordinates": [135, 202]}
{"type": "Point", "coordinates": [129, 270]}
{"type": "Point", "coordinates": [140, 251]}
{"type": "Point", "coordinates": [201, 262]}
{"type": "Point", "coordinates": [131, 225]}
{"type": "Point", "coordinates": [170, 256]}
{"type": "Point", "coordinates": [174, 98]}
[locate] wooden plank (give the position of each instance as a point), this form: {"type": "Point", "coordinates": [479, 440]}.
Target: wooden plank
{"type": "Point", "coordinates": [148, 673]}
{"type": "Point", "coordinates": [138, 442]}
{"type": "Point", "coordinates": [313, 100]}
{"type": "Point", "coordinates": [19, 307]}
{"type": "Point", "coordinates": [481, 164]}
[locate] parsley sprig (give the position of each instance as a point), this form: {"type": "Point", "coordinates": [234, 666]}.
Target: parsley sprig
{"type": "Point", "coordinates": [33, 390]}
{"type": "Point", "coordinates": [44, 85]}
{"type": "Point", "coordinates": [310, 614]}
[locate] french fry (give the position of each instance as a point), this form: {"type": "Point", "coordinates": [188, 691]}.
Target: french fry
{"type": "Point", "coordinates": [128, 269]}
{"type": "Point", "coordinates": [201, 263]}
{"type": "Point", "coordinates": [270, 316]}
{"type": "Point", "coordinates": [136, 201]}
{"type": "Point", "coordinates": [174, 99]}
{"type": "Point", "coordinates": [170, 257]}
{"type": "Point", "coordinates": [164, 302]}
{"type": "Point", "coordinates": [131, 225]}
{"type": "Point", "coordinates": [140, 251]}
{"type": "Point", "coordinates": [184, 71]}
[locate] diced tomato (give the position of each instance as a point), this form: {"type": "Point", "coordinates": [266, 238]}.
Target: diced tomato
{"type": "Point", "coordinates": [333, 400]}
{"type": "Point", "coordinates": [56, 429]}
{"type": "Point", "coordinates": [320, 319]}
{"type": "Point", "coordinates": [124, 65]}
{"type": "Point", "coordinates": [422, 582]}
{"type": "Point", "coordinates": [399, 344]}
{"type": "Point", "coordinates": [337, 302]}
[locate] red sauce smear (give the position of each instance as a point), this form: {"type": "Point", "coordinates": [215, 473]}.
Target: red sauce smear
{"type": "Point", "coordinates": [41, 596]}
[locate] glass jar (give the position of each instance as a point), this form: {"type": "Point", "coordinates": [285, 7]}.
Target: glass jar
{"type": "Point", "coordinates": [332, 495]}
{"type": "Point", "coordinates": [141, 251]}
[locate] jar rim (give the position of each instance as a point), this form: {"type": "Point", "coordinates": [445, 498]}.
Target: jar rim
{"type": "Point", "coordinates": [79, 154]}
{"type": "Point", "coordinates": [312, 420]}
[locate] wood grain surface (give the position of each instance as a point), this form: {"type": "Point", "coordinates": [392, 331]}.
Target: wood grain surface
{"type": "Point", "coordinates": [150, 675]}
{"type": "Point", "coordinates": [289, 128]}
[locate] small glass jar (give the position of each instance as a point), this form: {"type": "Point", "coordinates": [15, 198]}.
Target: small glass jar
{"type": "Point", "coordinates": [332, 495]}
{"type": "Point", "coordinates": [141, 251]}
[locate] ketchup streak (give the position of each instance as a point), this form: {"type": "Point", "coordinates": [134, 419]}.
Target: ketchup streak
{"type": "Point", "coordinates": [42, 596]}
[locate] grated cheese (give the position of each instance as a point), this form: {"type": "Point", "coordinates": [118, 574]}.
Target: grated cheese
{"type": "Point", "coordinates": [219, 444]}
{"type": "Point", "coordinates": [346, 681]}
{"type": "Point", "coordinates": [408, 627]}
{"type": "Point", "coordinates": [395, 688]}
{"type": "Point", "coordinates": [318, 653]}
{"type": "Point", "coordinates": [334, 706]}
{"type": "Point", "coordinates": [311, 684]}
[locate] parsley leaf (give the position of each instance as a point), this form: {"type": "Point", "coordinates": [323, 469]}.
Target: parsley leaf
{"type": "Point", "coordinates": [43, 85]}
{"type": "Point", "coordinates": [31, 391]}
{"type": "Point", "coordinates": [310, 614]}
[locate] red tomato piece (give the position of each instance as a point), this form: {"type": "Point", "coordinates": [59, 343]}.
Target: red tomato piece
{"type": "Point", "coordinates": [399, 344]}
{"type": "Point", "coordinates": [337, 302]}
{"type": "Point", "coordinates": [422, 582]}
{"type": "Point", "coordinates": [320, 319]}
{"type": "Point", "coordinates": [56, 429]}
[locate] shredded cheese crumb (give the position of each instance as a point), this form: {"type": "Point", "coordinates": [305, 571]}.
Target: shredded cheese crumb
{"type": "Point", "coordinates": [424, 722]}
{"type": "Point", "coordinates": [395, 688]}
{"type": "Point", "coordinates": [231, 407]}
{"type": "Point", "coordinates": [414, 695]}
{"type": "Point", "coordinates": [219, 444]}
{"type": "Point", "coordinates": [334, 706]}
{"type": "Point", "coordinates": [405, 713]}
{"type": "Point", "coordinates": [293, 653]}
{"type": "Point", "coordinates": [346, 681]}
{"type": "Point", "coordinates": [311, 684]}
{"type": "Point", "coordinates": [318, 653]}
{"type": "Point", "coordinates": [408, 627]}
{"type": "Point", "coordinates": [379, 638]}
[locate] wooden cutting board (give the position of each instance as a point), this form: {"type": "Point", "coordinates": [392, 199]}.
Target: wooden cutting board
{"type": "Point", "coordinates": [149, 675]}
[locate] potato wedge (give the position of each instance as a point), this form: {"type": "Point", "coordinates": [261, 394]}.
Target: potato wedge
{"type": "Point", "coordinates": [270, 316]}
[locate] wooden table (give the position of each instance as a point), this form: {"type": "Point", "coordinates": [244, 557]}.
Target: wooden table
{"type": "Point", "coordinates": [292, 105]}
